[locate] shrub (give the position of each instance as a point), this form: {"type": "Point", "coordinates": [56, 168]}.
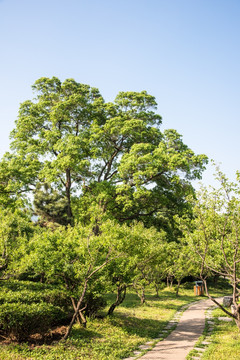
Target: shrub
{"type": "Point", "coordinates": [28, 292]}
{"type": "Point", "coordinates": [57, 298]}
{"type": "Point", "coordinates": [19, 321]}
{"type": "Point", "coordinates": [24, 296]}
{"type": "Point", "coordinates": [93, 304]}
{"type": "Point", "coordinates": [16, 285]}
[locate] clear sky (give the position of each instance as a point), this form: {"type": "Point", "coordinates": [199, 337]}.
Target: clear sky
{"type": "Point", "coordinates": [184, 52]}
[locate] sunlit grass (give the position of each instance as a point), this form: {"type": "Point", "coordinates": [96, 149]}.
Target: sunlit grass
{"type": "Point", "coordinates": [225, 343]}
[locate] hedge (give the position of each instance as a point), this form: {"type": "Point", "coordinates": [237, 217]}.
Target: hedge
{"type": "Point", "coordinates": [18, 321]}
{"type": "Point", "coordinates": [28, 292]}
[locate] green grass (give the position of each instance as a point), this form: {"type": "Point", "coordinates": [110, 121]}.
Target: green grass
{"type": "Point", "coordinates": [224, 340]}
{"type": "Point", "coordinates": [111, 338]}
{"type": "Point", "coordinates": [225, 343]}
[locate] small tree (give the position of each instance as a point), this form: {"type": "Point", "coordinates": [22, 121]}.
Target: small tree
{"type": "Point", "coordinates": [142, 249]}
{"type": "Point", "coordinates": [72, 257]}
{"type": "Point", "coordinates": [214, 234]}
{"type": "Point", "coordinates": [182, 263]}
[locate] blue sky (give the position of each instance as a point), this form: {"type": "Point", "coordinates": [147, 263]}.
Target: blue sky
{"type": "Point", "coordinates": [184, 52]}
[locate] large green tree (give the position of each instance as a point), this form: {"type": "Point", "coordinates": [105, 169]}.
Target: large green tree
{"type": "Point", "coordinates": [51, 138]}
{"type": "Point", "coordinates": [102, 157]}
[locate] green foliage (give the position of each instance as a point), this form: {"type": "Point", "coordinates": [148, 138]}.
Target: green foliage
{"type": "Point", "coordinates": [27, 292]}
{"type": "Point", "coordinates": [111, 338]}
{"type": "Point", "coordinates": [27, 307]}
{"type": "Point", "coordinates": [214, 234]}
{"type": "Point", "coordinates": [15, 231]}
{"type": "Point", "coordinates": [94, 303]}
{"type": "Point", "coordinates": [50, 141]}
{"type": "Point", "coordinates": [50, 205]}
{"type": "Point", "coordinates": [19, 320]}
{"type": "Point", "coordinates": [107, 184]}
{"type": "Point", "coordinates": [181, 261]}
{"type": "Point", "coordinates": [65, 254]}
{"type": "Point", "coordinates": [94, 155]}
{"type": "Point", "coordinates": [214, 231]}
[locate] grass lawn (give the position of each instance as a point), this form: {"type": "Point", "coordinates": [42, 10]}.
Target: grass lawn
{"type": "Point", "coordinates": [225, 340]}
{"type": "Point", "coordinates": [113, 337]}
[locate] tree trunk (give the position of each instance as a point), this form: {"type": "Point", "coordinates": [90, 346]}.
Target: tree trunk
{"type": "Point", "coordinates": [121, 293]}
{"type": "Point", "coordinates": [80, 318]}
{"type": "Point", "coordinates": [83, 319]}
{"type": "Point", "coordinates": [170, 281]}
{"type": "Point", "coordinates": [143, 299]}
{"type": "Point", "coordinates": [68, 194]}
{"type": "Point", "coordinates": [236, 312]}
{"type": "Point", "coordinates": [76, 310]}
{"type": "Point", "coordinates": [215, 279]}
{"type": "Point", "coordinates": [42, 277]}
{"type": "Point", "coordinates": [178, 286]}
{"type": "Point", "coordinates": [233, 308]}
{"type": "Point", "coordinates": [140, 293]}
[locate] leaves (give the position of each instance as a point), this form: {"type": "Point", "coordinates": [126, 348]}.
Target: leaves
{"type": "Point", "coordinates": [111, 155]}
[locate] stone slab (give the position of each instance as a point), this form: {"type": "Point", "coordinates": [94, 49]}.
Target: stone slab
{"type": "Point", "coordinates": [199, 349]}
{"type": "Point", "coordinates": [143, 347]}
{"type": "Point", "coordinates": [137, 352]}
{"type": "Point", "coordinates": [206, 342]}
{"type": "Point", "coordinates": [224, 318]}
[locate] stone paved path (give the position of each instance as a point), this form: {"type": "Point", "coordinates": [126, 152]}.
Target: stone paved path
{"type": "Point", "coordinates": [182, 340]}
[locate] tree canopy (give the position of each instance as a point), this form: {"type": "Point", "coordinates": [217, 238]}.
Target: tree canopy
{"type": "Point", "coordinates": [109, 158]}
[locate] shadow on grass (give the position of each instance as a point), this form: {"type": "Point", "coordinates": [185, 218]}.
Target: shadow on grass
{"type": "Point", "coordinates": [82, 333]}
{"type": "Point", "coordinates": [166, 299]}
{"type": "Point", "coordinates": [135, 326]}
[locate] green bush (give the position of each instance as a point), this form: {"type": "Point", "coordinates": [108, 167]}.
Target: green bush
{"type": "Point", "coordinates": [19, 321]}
{"type": "Point", "coordinates": [24, 296]}
{"type": "Point", "coordinates": [93, 303]}
{"type": "Point", "coordinates": [57, 298]}
{"type": "Point", "coordinates": [20, 285]}
{"type": "Point", "coordinates": [28, 292]}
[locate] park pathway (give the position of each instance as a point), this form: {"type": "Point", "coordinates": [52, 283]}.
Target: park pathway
{"type": "Point", "coordinates": [181, 340]}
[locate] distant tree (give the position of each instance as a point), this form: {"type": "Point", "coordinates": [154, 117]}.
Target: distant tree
{"type": "Point", "coordinates": [182, 263]}
{"type": "Point", "coordinates": [50, 205]}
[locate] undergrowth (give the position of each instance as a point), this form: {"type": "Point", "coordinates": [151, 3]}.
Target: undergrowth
{"type": "Point", "coordinates": [110, 338]}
